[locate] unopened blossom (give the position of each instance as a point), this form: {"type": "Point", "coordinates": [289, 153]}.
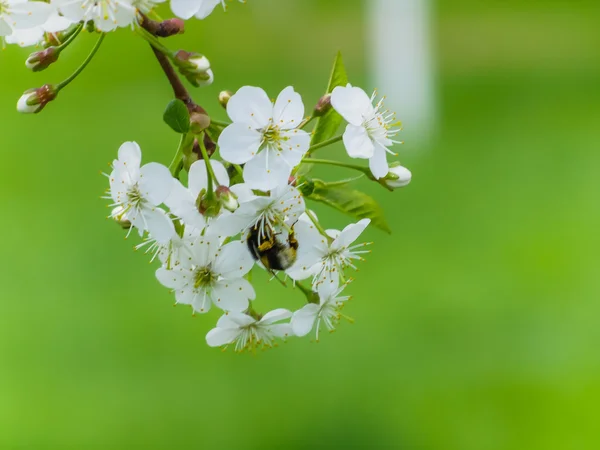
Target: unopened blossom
{"type": "Point", "coordinates": [215, 276]}
{"type": "Point", "coordinates": [35, 35]}
{"type": "Point", "coordinates": [184, 202]}
{"type": "Point", "coordinates": [282, 207]}
{"type": "Point", "coordinates": [249, 333]}
{"type": "Point", "coordinates": [197, 8]}
{"type": "Point", "coordinates": [400, 177]}
{"type": "Point", "coordinates": [140, 191]}
{"type": "Point", "coordinates": [21, 14]}
{"type": "Point", "coordinates": [327, 312]}
{"type": "Point", "coordinates": [107, 15]}
{"type": "Point", "coordinates": [370, 130]}
{"type": "Point", "coordinates": [325, 259]}
{"type": "Point", "coordinates": [265, 136]}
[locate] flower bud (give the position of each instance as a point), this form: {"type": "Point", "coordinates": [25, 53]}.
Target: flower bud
{"type": "Point", "coordinates": [166, 28]}
{"type": "Point", "coordinates": [195, 67]}
{"type": "Point", "coordinates": [39, 61]}
{"type": "Point", "coordinates": [193, 62]}
{"type": "Point", "coordinates": [34, 100]}
{"type": "Point", "coordinates": [323, 106]}
{"type": "Point", "coordinates": [305, 185]}
{"type": "Point", "coordinates": [224, 97]}
{"type": "Point", "coordinates": [227, 198]}
{"type": "Point", "coordinates": [397, 177]}
{"type": "Point", "coordinates": [199, 122]}
{"type": "Point", "coordinates": [201, 79]}
{"type": "Point", "coordinates": [208, 205]}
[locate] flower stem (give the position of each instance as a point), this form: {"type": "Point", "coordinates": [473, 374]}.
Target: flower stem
{"type": "Point", "coordinates": [317, 225]}
{"type": "Point", "coordinates": [329, 162]}
{"type": "Point", "coordinates": [325, 143]}
{"type": "Point", "coordinates": [219, 123]}
{"type": "Point", "coordinates": [71, 37]}
{"type": "Point", "coordinates": [305, 122]}
{"type": "Point", "coordinates": [339, 182]}
{"type": "Point", "coordinates": [210, 174]}
{"type": "Point", "coordinates": [153, 41]}
{"type": "Point", "coordinates": [83, 65]}
{"type": "Point", "coordinates": [311, 296]}
{"type": "Point", "coordinates": [176, 164]}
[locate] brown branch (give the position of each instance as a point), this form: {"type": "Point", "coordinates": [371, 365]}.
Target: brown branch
{"type": "Point", "coordinates": [179, 89]}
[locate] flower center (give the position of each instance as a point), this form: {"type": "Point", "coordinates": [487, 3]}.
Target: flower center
{"type": "Point", "coordinates": [382, 123]}
{"type": "Point", "coordinates": [135, 196]}
{"type": "Point", "coordinates": [203, 277]}
{"type": "Point", "coordinates": [272, 134]}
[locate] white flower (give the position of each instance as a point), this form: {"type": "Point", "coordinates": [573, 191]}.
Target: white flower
{"type": "Point", "coordinates": [183, 201]}
{"type": "Point", "coordinates": [198, 8]}
{"type": "Point", "coordinates": [325, 261]}
{"type": "Point", "coordinates": [21, 14]}
{"type": "Point", "coordinates": [264, 136]}
{"type": "Point", "coordinates": [403, 174]}
{"type": "Point", "coordinates": [35, 35]}
{"type": "Point", "coordinates": [327, 312]}
{"type": "Point", "coordinates": [248, 332]}
{"type": "Point", "coordinates": [106, 14]}
{"type": "Point", "coordinates": [139, 191]}
{"type": "Point", "coordinates": [370, 128]}
{"type": "Point", "coordinates": [283, 206]}
{"type": "Point", "coordinates": [215, 276]}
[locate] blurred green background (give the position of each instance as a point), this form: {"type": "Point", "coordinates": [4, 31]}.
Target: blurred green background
{"type": "Point", "coordinates": [476, 320]}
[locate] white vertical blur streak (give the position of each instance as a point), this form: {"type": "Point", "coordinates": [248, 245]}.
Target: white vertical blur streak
{"type": "Point", "coordinates": [402, 63]}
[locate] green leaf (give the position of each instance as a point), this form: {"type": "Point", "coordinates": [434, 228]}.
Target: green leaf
{"type": "Point", "coordinates": [177, 116]}
{"type": "Point", "coordinates": [352, 202]}
{"type": "Point", "coordinates": [328, 124]}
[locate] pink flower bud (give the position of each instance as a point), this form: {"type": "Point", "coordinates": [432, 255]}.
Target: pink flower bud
{"type": "Point", "coordinates": [41, 60]}
{"type": "Point", "coordinates": [34, 100]}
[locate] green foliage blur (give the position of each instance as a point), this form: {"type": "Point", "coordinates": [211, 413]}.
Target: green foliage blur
{"type": "Point", "coordinates": [476, 320]}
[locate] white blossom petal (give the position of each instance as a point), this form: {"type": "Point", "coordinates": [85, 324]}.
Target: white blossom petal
{"type": "Point", "coordinates": [378, 163]}
{"type": "Point", "coordinates": [173, 279]}
{"type": "Point", "coordinates": [357, 142]}
{"type": "Point", "coordinates": [233, 295]}
{"type": "Point", "coordinates": [303, 320]}
{"type": "Point", "coordinates": [198, 177]}
{"type": "Point", "coordinates": [155, 183]}
{"type": "Point", "coordinates": [351, 233]}
{"type": "Point", "coordinates": [234, 260]}
{"type": "Point", "coordinates": [158, 224]}
{"type": "Point", "coordinates": [218, 337]}
{"type": "Point", "coordinates": [206, 7]}
{"type": "Point", "coordinates": [267, 170]}
{"type": "Point", "coordinates": [28, 14]}
{"type": "Point", "coordinates": [239, 143]}
{"type": "Point", "coordinates": [288, 111]}
{"type": "Point", "coordinates": [294, 145]}
{"type": "Point", "coordinates": [185, 9]}
{"type": "Point", "coordinates": [275, 316]}
{"type": "Point", "coordinates": [352, 103]}
{"type": "Point", "coordinates": [250, 106]}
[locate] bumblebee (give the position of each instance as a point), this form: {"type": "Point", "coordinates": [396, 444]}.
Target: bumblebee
{"type": "Point", "coordinates": [271, 252]}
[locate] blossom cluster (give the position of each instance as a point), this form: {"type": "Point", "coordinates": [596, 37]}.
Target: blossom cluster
{"type": "Point", "coordinates": [233, 201]}
{"type": "Point", "coordinates": [28, 23]}
{"type": "Point", "coordinates": [209, 233]}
